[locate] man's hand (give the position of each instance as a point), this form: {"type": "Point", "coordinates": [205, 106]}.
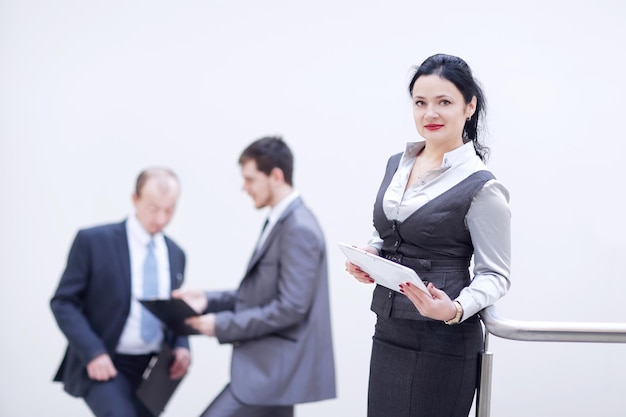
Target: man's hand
{"type": "Point", "coordinates": [196, 299]}
{"type": "Point", "coordinates": [101, 368]}
{"type": "Point", "coordinates": [182, 361]}
{"type": "Point", "coordinates": [204, 324]}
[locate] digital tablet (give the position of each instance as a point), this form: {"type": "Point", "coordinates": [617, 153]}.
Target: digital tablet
{"type": "Point", "coordinates": [385, 272]}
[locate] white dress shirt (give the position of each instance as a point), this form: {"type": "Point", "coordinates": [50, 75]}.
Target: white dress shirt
{"type": "Point", "coordinates": [130, 342]}
{"type": "Point", "coordinates": [275, 214]}
{"type": "Point", "coordinates": [488, 218]}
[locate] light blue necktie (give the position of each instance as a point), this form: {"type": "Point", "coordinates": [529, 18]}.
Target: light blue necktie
{"type": "Point", "coordinates": [150, 325]}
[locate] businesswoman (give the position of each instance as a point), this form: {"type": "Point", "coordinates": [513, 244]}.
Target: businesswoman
{"type": "Point", "coordinates": [437, 207]}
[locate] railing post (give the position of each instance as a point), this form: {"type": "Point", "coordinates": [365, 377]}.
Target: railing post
{"type": "Point", "coordinates": [483, 396]}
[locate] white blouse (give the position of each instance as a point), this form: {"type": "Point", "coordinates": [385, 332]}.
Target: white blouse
{"type": "Point", "coordinates": [488, 219]}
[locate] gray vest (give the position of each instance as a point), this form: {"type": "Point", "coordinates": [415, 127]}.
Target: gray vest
{"type": "Point", "coordinates": [434, 241]}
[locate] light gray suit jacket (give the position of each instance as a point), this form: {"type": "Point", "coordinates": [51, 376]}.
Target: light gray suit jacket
{"type": "Point", "coordinates": [278, 320]}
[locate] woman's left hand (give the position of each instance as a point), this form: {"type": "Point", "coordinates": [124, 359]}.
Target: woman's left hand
{"type": "Point", "coordinates": [437, 306]}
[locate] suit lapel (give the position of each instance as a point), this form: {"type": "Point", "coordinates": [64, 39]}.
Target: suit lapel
{"type": "Point", "coordinates": [176, 277]}
{"type": "Point", "coordinates": [258, 254]}
{"type": "Point", "coordinates": [123, 254]}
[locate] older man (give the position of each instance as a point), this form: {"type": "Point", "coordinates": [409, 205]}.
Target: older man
{"type": "Point", "coordinates": [111, 336]}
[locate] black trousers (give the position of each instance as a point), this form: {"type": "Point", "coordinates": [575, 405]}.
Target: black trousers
{"type": "Point", "coordinates": [116, 397]}
{"type": "Point", "coordinates": [423, 368]}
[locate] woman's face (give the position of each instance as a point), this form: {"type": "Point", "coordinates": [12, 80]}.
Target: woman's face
{"type": "Point", "coordinates": [439, 110]}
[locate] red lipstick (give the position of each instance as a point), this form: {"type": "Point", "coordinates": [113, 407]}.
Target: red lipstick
{"type": "Point", "coordinates": [433, 126]}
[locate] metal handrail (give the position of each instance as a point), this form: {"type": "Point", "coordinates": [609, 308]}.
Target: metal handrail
{"type": "Point", "coordinates": [552, 331]}
{"type": "Point", "coordinates": [536, 331]}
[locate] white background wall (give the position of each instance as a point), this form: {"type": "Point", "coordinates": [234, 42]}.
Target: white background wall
{"type": "Point", "coordinates": [91, 92]}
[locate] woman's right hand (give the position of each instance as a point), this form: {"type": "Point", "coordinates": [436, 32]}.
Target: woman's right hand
{"type": "Point", "coordinates": [357, 273]}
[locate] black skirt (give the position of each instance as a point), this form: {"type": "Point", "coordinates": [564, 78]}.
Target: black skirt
{"type": "Point", "coordinates": [423, 368]}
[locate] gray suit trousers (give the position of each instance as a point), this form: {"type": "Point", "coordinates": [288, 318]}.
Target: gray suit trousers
{"type": "Point", "coordinates": [226, 405]}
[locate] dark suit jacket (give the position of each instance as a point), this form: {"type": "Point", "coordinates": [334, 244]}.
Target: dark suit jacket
{"type": "Point", "coordinates": [93, 299]}
{"type": "Point", "coordinates": [279, 319]}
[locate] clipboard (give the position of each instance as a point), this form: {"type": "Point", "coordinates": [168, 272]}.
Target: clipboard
{"type": "Point", "coordinates": [172, 312]}
{"type": "Point", "coordinates": [156, 387]}
{"type": "Point", "coordinates": [384, 272]}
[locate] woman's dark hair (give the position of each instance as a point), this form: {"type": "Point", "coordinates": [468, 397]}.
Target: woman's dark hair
{"type": "Point", "coordinates": [455, 70]}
